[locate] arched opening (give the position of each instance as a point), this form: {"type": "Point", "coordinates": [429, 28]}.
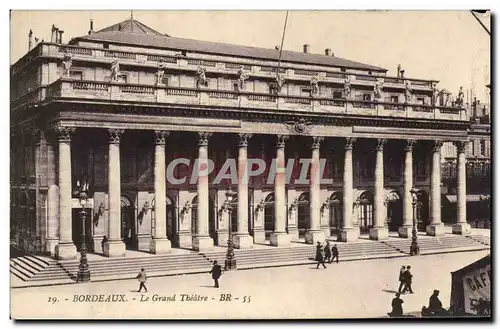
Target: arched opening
{"type": "Point", "coordinates": [128, 223]}
{"type": "Point", "coordinates": [394, 210]}
{"type": "Point", "coordinates": [211, 216]}
{"type": "Point", "coordinates": [422, 210]}
{"type": "Point", "coordinates": [171, 222]}
{"type": "Point", "coordinates": [303, 214]}
{"type": "Point", "coordinates": [336, 213]}
{"type": "Point", "coordinates": [269, 215]}
{"type": "Point", "coordinates": [365, 211]}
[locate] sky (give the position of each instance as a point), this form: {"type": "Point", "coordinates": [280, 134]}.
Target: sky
{"type": "Point", "coordinates": [449, 46]}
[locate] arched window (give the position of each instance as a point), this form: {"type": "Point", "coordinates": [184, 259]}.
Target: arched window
{"type": "Point", "coordinates": [336, 208]}
{"type": "Point", "coordinates": [365, 211]}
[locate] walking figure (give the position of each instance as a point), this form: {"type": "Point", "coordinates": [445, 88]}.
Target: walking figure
{"type": "Point", "coordinates": [397, 306]}
{"type": "Point", "coordinates": [408, 279]}
{"type": "Point", "coordinates": [216, 272]}
{"type": "Point", "coordinates": [141, 277]}
{"type": "Point", "coordinates": [319, 255]}
{"type": "Point", "coordinates": [335, 253]}
{"type": "Point", "coordinates": [328, 253]}
{"type": "Point", "coordinates": [401, 278]}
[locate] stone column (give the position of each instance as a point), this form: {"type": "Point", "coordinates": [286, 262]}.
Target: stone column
{"type": "Point", "coordinates": [379, 230]}
{"type": "Point", "coordinates": [242, 238]}
{"type": "Point", "coordinates": [314, 233]}
{"type": "Point", "coordinates": [201, 240]}
{"type": "Point", "coordinates": [66, 249]}
{"type": "Point", "coordinates": [52, 202]}
{"type": "Point", "coordinates": [160, 243]}
{"type": "Point", "coordinates": [279, 237]}
{"type": "Point", "coordinates": [405, 230]}
{"type": "Point", "coordinates": [348, 233]}
{"type": "Point", "coordinates": [461, 226]}
{"type": "Point", "coordinates": [114, 247]}
{"type": "Point", "coordinates": [435, 226]}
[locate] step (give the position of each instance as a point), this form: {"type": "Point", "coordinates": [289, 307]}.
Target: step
{"type": "Point", "coordinates": [21, 275]}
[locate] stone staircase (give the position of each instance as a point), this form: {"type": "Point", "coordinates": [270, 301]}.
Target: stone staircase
{"type": "Point", "coordinates": [30, 267]}
{"type": "Point", "coordinates": [486, 240]}
{"type": "Point", "coordinates": [446, 243]}
{"type": "Point", "coordinates": [299, 255]}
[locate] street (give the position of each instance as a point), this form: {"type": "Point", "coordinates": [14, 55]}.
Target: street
{"type": "Point", "coordinates": [357, 289]}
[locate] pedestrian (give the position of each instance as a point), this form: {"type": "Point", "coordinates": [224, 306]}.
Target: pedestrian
{"type": "Point", "coordinates": [435, 305]}
{"type": "Point", "coordinates": [216, 272]}
{"type": "Point", "coordinates": [408, 280]}
{"type": "Point", "coordinates": [397, 306]}
{"type": "Point", "coordinates": [335, 253]}
{"type": "Point", "coordinates": [320, 255]}
{"type": "Point", "coordinates": [328, 253]}
{"type": "Point", "coordinates": [401, 278]}
{"type": "Point", "coordinates": [142, 277]}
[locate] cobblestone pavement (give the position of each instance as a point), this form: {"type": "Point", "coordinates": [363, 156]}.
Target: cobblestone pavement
{"type": "Point", "coordinates": [345, 290]}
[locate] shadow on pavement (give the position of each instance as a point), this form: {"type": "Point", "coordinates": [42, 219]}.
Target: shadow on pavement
{"type": "Point", "coordinates": [389, 291]}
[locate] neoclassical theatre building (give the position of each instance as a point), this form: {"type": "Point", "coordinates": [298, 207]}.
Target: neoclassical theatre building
{"type": "Point", "coordinates": [111, 110]}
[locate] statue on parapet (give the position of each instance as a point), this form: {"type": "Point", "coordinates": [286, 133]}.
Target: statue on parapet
{"type": "Point", "coordinates": [347, 87]}
{"type": "Point", "coordinates": [201, 77]}
{"type": "Point", "coordinates": [459, 102]}
{"type": "Point", "coordinates": [280, 81]}
{"type": "Point", "coordinates": [242, 77]}
{"type": "Point", "coordinates": [115, 69]}
{"type": "Point", "coordinates": [377, 91]}
{"type": "Point", "coordinates": [67, 63]}
{"type": "Point", "coordinates": [314, 86]}
{"type": "Point", "coordinates": [160, 74]}
{"type": "Point", "coordinates": [407, 92]}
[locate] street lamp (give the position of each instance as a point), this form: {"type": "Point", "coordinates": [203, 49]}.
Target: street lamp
{"type": "Point", "coordinates": [230, 263]}
{"type": "Point", "coordinates": [414, 248]}
{"type": "Point", "coordinates": [83, 274]}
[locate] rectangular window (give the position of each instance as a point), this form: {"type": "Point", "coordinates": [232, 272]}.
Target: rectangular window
{"type": "Point", "coordinates": [394, 99]}
{"type": "Point", "coordinates": [76, 75]}
{"type": "Point", "coordinates": [337, 94]}
{"type": "Point", "coordinates": [420, 100]}
{"type": "Point", "coordinates": [367, 97]}
{"type": "Point", "coordinates": [482, 145]}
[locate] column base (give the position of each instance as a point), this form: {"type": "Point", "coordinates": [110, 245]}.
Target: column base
{"type": "Point", "coordinates": [203, 243]}
{"type": "Point", "coordinates": [144, 242]}
{"type": "Point", "coordinates": [259, 235]}
{"type": "Point", "coordinates": [405, 231]}
{"type": "Point", "coordinates": [293, 232]}
{"type": "Point", "coordinates": [379, 233]}
{"type": "Point", "coordinates": [280, 239]}
{"type": "Point", "coordinates": [50, 246]}
{"type": "Point", "coordinates": [435, 229]}
{"type": "Point", "coordinates": [65, 250]}
{"type": "Point", "coordinates": [185, 240]}
{"type": "Point", "coordinates": [349, 234]}
{"type": "Point", "coordinates": [243, 241]}
{"type": "Point", "coordinates": [314, 236]}
{"type": "Point", "coordinates": [114, 249]}
{"type": "Point", "coordinates": [357, 229]}
{"type": "Point", "coordinates": [222, 237]}
{"type": "Point", "coordinates": [326, 230]}
{"type": "Point", "coordinates": [97, 244]}
{"type": "Point", "coordinates": [461, 228]}
{"type": "Point", "coordinates": [160, 246]}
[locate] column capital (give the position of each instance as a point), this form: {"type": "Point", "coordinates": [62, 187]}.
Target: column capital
{"type": "Point", "coordinates": [349, 143]}
{"type": "Point", "coordinates": [380, 144]}
{"type": "Point", "coordinates": [115, 135]}
{"type": "Point", "coordinates": [64, 134]}
{"type": "Point", "coordinates": [461, 146]}
{"type": "Point", "coordinates": [316, 142]}
{"type": "Point", "coordinates": [203, 138]}
{"type": "Point", "coordinates": [243, 139]}
{"type": "Point", "coordinates": [410, 144]}
{"type": "Point", "coordinates": [160, 136]}
{"type": "Point", "coordinates": [281, 141]}
{"type": "Point", "coordinates": [436, 146]}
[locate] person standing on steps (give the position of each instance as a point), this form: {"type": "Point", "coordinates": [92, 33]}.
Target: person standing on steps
{"type": "Point", "coordinates": [142, 277]}
{"type": "Point", "coordinates": [328, 253]}
{"type": "Point", "coordinates": [216, 272]}
{"type": "Point", "coordinates": [408, 280]}
{"type": "Point", "coordinates": [335, 253]}
{"type": "Point", "coordinates": [320, 255]}
{"type": "Point", "coordinates": [402, 278]}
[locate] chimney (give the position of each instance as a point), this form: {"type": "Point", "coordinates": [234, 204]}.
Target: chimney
{"type": "Point", "coordinates": [30, 40]}
{"type": "Point", "coordinates": [60, 35]}
{"type": "Point", "coordinates": [402, 73]}
{"type": "Point", "coordinates": [53, 36]}
{"type": "Point", "coordinates": [399, 70]}
{"type": "Point", "coordinates": [328, 52]}
{"type": "Point", "coordinates": [307, 49]}
{"type": "Point", "coordinates": [91, 27]}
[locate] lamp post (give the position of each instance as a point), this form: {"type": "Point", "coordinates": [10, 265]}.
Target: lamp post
{"type": "Point", "coordinates": [414, 248]}
{"type": "Point", "coordinates": [230, 263]}
{"type": "Point", "coordinates": [83, 274]}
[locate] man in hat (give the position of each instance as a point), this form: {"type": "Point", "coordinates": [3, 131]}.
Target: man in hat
{"type": "Point", "coordinates": [320, 255]}
{"type": "Point", "coordinates": [335, 253]}
{"type": "Point", "coordinates": [402, 278]}
{"type": "Point", "coordinates": [407, 276]}
{"type": "Point", "coordinates": [142, 277]}
{"type": "Point", "coordinates": [328, 253]}
{"type": "Point", "coordinates": [397, 306]}
{"type": "Point", "coordinates": [216, 272]}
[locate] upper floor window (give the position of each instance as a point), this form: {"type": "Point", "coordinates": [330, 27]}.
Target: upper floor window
{"type": "Point", "coordinates": [337, 94]}
{"type": "Point", "coordinates": [367, 97]}
{"type": "Point", "coordinates": [394, 99]}
{"type": "Point", "coordinates": [482, 148]}
{"type": "Point", "coordinates": [420, 100]}
{"type": "Point", "coordinates": [76, 75]}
